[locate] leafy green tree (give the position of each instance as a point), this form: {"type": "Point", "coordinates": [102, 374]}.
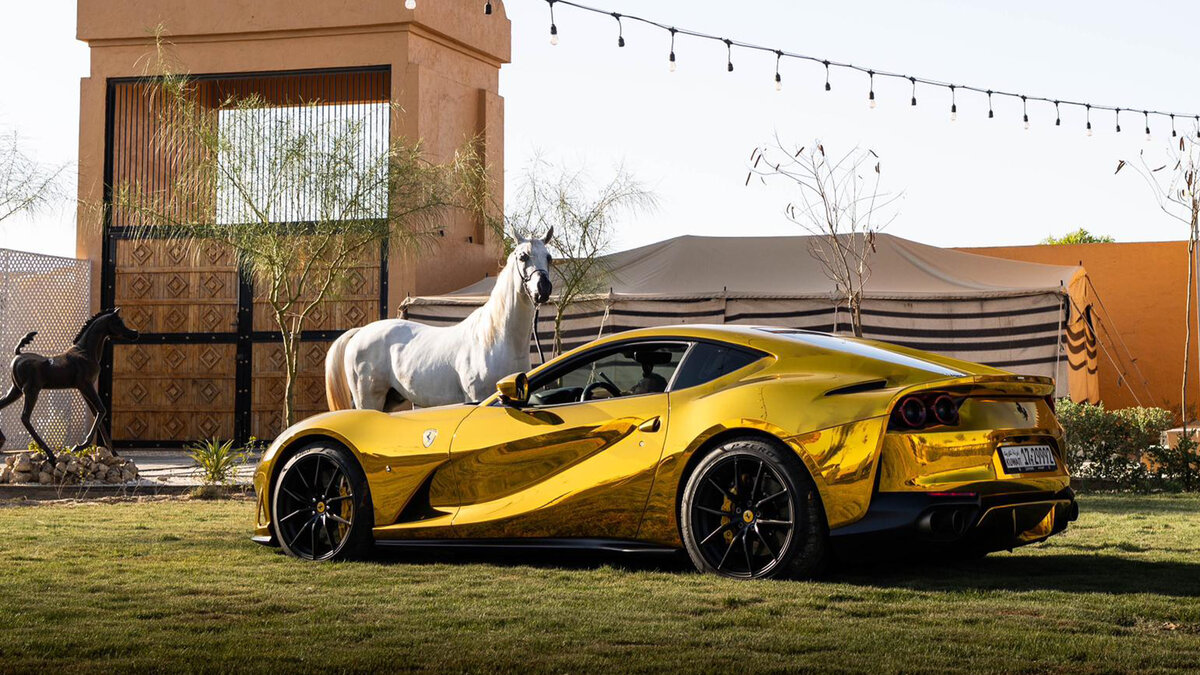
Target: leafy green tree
{"type": "Point", "coordinates": [1080, 236]}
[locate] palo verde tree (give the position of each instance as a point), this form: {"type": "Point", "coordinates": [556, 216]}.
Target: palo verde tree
{"type": "Point", "coordinates": [583, 216]}
{"type": "Point", "coordinates": [299, 202]}
{"type": "Point", "coordinates": [836, 203]}
{"type": "Point", "coordinates": [26, 185]}
{"type": "Point", "coordinates": [1175, 185]}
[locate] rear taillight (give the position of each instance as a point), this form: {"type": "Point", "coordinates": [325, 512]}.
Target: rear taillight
{"type": "Point", "coordinates": [925, 410]}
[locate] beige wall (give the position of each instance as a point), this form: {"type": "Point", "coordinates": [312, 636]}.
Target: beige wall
{"type": "Point", "coordinates": [445, 58]}
{"type": "Point", "coordinates": [1142, 285]}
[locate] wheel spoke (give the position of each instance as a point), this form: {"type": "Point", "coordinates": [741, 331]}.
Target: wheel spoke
{"type": "Point", "coordinates": [338, 519]}
{"type": "Point", "coordinates": [314, 541]}
{"type": "Point", "coordinates": [293, 513]}
{"type": "Point", "coordinates": [339, 498]}
{"type": "Point", "coordinates": [757, 481]}
{"type": "Point", "coordinates": [764, 542]}
{"type": "Point", "coordinates": [768, 521]}
{"type": "Point", "coordinates": [296, 537]}
{"type": "Point", "coordinates": [727, 550]}
{"type": "Point", "coordinates": [333, 477]}
{"type": "Point", "coordinates": [715, 532]}
{"type": "Point", "coordinates": [723, 490]}
{"type": "Point", "coordinates": [764, 500]}
{"type": "Point", "coordinates": [317, 473]}
{"type": "Point", "coordinates": [291, 494]}
{"type": "Point", "coordinates": [736, 475]}
{"type": "Point", "coordinates": [715, 512]}
{"type": "Point", "coordinates": [746, 550]}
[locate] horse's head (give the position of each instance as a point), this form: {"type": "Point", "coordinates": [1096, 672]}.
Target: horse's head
{"type": "Point", "coordinates": [116, 327]}
{"type": "Point", "coordinates": [531, 261]}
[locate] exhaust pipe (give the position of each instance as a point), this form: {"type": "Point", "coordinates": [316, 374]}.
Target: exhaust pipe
{"type": "Point", "coordinates": [946, 523]}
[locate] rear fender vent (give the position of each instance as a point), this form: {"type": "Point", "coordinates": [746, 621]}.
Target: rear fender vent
{"type": "Point", "coordinates": [858, 388]}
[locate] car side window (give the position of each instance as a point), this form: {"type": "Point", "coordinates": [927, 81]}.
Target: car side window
{"type": "Point", "coordinates": [708, 361]}
{"type": "Point", "coordinates": [627, 370]}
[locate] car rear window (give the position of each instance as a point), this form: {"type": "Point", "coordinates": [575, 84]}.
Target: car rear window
{"type": "Point", "coordinates": [707, 361]}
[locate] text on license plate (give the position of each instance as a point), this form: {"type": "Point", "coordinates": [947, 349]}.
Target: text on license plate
{"type": "Point", "coordinates": [1027, 458]}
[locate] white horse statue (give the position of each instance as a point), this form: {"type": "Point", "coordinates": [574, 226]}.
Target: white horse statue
{"type": "Point", "coordinates": [369, 367]}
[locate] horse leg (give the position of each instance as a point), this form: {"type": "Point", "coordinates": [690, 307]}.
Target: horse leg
{"type": "Point", "coordinates": [13, 394]}
{"type": "Point", "coordinates": [92, 399]}
{"type": "Point", "coordinates": [370, 394]}
{"type": "Point", "coordinates": [31, 397]}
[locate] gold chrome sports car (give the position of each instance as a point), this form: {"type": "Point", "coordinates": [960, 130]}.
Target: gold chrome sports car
{"type": "Point", "coordinates": [755, 449]}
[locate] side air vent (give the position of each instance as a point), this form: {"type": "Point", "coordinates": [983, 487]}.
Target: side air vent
{"type": "Point", "coordinates": [858, 388]}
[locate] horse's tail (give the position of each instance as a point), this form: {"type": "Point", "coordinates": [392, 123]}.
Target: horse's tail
{"type": "Point", "coordinates": [24, 341]}
{"type": "Point", "coordinates": [337, 384]}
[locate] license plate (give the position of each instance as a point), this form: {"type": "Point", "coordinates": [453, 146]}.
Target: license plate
{"type": "Point", "coordinates": [1027, 458]}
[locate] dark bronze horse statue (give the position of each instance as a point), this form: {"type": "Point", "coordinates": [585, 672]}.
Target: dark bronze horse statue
{"type": "Point", "coordinates": [76, 368]}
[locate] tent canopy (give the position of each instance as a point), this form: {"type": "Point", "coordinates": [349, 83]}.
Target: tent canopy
{"type": "Point", "coordinates": [1026, 317]}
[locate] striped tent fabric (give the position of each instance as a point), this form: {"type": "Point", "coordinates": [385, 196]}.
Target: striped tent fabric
{"type": "Point", "coordinates": [1023, 317]}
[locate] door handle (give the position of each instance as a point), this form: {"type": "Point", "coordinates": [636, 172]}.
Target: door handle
{"type": "Point", "coordinates": [651, 425]}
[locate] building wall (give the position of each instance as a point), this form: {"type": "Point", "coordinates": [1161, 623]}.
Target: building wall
{"type": "Point", "coordinates": [1142, 287]}
{"type": "Point", "coordinates": [445, 58]}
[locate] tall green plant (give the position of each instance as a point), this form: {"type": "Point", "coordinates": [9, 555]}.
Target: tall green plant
{"type": "Point", "coordinates": [217, 460]}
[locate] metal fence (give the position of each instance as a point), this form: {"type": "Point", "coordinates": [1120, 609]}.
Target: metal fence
{"type": "Point", "coordinates": [50, 295]}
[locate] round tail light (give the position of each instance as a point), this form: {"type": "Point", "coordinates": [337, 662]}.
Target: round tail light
{"type": "Point", "coordinates": [913, 412]}
{"type": "Point", "coordinates": [944, 410]}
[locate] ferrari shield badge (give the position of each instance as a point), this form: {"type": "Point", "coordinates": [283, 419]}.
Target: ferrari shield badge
{"type": "Point", "coordinates": [429, 437]}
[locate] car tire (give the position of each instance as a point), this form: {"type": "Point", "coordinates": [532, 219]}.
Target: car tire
{"type": "Point", "coordinates": [321, 505]}
{"type": "Point", "coordinates": [750, 510]}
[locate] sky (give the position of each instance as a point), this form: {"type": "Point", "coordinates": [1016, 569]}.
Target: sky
{"type": "Point", "coordinates": [688, 135]}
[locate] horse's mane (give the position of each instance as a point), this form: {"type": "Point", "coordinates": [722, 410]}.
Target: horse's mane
{"type": "Point", "coordinates": [87, 324]}
{"type": "Point", "coordinates": [490, 316]}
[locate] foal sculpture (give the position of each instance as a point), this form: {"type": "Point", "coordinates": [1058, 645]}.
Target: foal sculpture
{"type": "Point", "coordinates": [76, 368]}
{"type": "Point", "coordinates": [395, 360]}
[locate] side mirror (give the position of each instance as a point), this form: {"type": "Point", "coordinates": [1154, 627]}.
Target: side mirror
{"type": "Point", "coordinates": [514, 389]}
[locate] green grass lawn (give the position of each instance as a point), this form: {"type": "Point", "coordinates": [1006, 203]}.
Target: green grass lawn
{"type": "Point", "coordinates": [178, 585]}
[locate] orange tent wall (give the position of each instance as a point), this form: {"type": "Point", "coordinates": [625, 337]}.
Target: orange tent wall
{"type": "Point", "coordinates": [1141, 297]}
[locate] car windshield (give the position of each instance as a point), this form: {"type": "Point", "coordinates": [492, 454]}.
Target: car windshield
{"type": "Point", "coordinates": [624, 371]}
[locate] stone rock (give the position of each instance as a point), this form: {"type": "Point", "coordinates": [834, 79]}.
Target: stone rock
{"type": "Point", "coordinates": [73, 466]}
{"type": "Point", "coordinates": [113, 476]}
{"type": "Point", "coordinates": [23, 463]}
{"type": "Point", "coordinates": [8, 461]}
{"type": "Point", "coordinates": [103, 453]}
{"type": "Point", "coordinates": [45, 478]}
{"type": "Point", "coordinates": [6, 474]}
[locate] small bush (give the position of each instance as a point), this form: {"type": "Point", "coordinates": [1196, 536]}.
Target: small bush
{"type": "Point", "coordinates": [1123, 448]}
{"type": "Point", "coordinates": [218, 461]}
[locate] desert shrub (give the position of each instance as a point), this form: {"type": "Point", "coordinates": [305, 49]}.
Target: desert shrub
{"type": "Point", "coordinates": [1177, 467]}
{"type": "Point", "coordinates": [217, 460]}
{"type": "Point", "coordinates": [1110, 447]}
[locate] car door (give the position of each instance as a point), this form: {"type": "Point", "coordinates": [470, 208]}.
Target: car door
{"type": "Point", "coordinates": [579, 460]}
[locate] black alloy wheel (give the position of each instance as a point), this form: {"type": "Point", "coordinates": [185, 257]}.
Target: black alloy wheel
{"type": "Point", "coordinates": [750, 511]}
{"type": "Point", "coordinates": [321, 506]}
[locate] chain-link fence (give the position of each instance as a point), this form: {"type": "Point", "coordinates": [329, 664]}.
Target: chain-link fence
{"type": "Point", "coordinates": [49, 295]}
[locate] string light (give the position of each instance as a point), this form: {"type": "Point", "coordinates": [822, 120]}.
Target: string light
{"type": "Point", "coordinates": [781, 54]}
{"type": "Point", "coordinates": [487, 8]}
{"type": "Point", "coordinates": [410, 4]}
{"type": "Point", "coordinates": [1025, 112]}
{"type": "Point", "coordinates": [1146, 114]}
{"type": "Point", "coordinates": [672, 57]}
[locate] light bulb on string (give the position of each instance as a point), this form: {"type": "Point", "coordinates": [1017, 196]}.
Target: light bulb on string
{"type": "Point", "coordinates": [1147, 116]}
{"type": "Point", "coordinates": [1089, 120]}
{"type": "Point", "coordinates": [991, 113]}
{"type": "Point", "coordinates": [553, 26]}
{"type": "Point", "coordinates": [410, 4]}
{"type": "Point", "coordinates": [728, 55]}
{"type": "Point", "coordinates": [487, 8]}
{"type": "Point", "coordinates": [1118, 120]}
{"type": "Point", "coordinates": [953, 105]}
{"type": "Point", "coordinates": [1025, 112]}
{"type": "Point", "coordinates": [1057, 115]}
{"type": "Point", "coordinates": [871, 94]}
{"type": "Point", "coordinates": [914, 89]}
{"type": "Point", "coordinates": [827, 85]}
{"type": "Point", "coordinates": [1198, 127]}
{"type": "Point", "coordinates": [778, 77]}
{"type": "Point", "coordinates": [620, 30]}
{"type": "Point", "coordinates": [671, 59]}
{"type": "Point", "coordinates": [1173, 132]}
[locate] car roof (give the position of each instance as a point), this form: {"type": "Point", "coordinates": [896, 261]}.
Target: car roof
{"type": "Point", "coordinates": [735, 334]}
